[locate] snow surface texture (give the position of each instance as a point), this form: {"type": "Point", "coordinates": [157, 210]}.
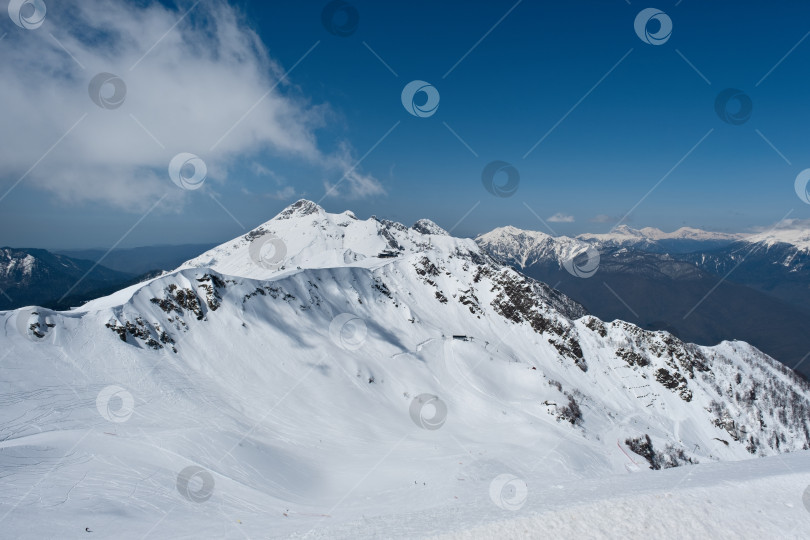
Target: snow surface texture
{"type": "Point", "coordinates": [324, 376]}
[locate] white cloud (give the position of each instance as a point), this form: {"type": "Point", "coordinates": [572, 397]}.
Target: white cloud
{"type": "Point", "coordinates": [260, 170]}
{"type": "Point", "coordinates": [353, 184]}
{"type": "Point", "coordinates": [604, 218]}
{"type": "Point", "coordinates": [559, 217]}
{"type": "Point", "coordinates": [283, 194]}
{"type": "Point", "coordinates": [199, 79]}
{"type": "Point", "coordinates": [789, 224]}
{"type": "Point", "coordinates": [282, 191]}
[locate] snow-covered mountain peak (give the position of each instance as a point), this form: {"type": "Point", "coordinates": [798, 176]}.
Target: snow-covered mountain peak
{"type": "Point", "coordinates": [304, 236]}
{"type": "Point", "coordinates": [791, 231]}
{"type": "Point", "coordinates": [510, 232]}
{"type": "Point", "coordinates": [426, 226]}
{"type": "Point", "coordinates": [525, 248]}
{"type": "Point", "coordinates": [626, 230]}
{"type": "Point", "coordinates": [300, 208]}
{"type": "Point", "coordinates": [691, 233]}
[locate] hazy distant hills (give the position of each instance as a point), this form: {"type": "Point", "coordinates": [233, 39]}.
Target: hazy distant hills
{"type": "Point", "coordinates": [781, 270]}
{"type": "Point", "coordinates": [43, 278]}
{"type": "Point", "coordinates": [39, 277]}
{"type": "Point", "coordinates": [141, 259]}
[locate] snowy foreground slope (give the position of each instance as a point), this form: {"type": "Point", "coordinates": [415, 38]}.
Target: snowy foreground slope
{"type": "Point", "coordinates": [304, 381]}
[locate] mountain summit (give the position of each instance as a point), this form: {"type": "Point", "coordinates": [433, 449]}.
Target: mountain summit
{"type": "Point", "coordinates": [300, 208]}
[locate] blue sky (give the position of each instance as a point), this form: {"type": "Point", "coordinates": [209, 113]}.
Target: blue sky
{"type": "Point", "coordinates": [340, 100]}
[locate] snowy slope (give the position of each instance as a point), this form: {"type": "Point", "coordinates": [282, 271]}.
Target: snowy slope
{"type": "Point", "coordinates": [526, 248]}
{"type": "Point", "coordinates": [751, 499]}
{"type": "Point", "coordinates": [303, 380]}
{"type": "Point", "coordinates": [794, 233]}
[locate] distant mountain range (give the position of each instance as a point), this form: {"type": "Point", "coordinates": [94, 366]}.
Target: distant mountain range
{"type": "Point", "coordinates": [701, 286]}
{"type": "Point", "coordinates": [140, 260]}
{"type": "Point", "coordinates": [683, 240]}
{"type": "Point", "coordinates": [40, 277]}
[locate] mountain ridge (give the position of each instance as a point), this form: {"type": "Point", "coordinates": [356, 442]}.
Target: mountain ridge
{"type": "Point", "coordinates": [283, 373]}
